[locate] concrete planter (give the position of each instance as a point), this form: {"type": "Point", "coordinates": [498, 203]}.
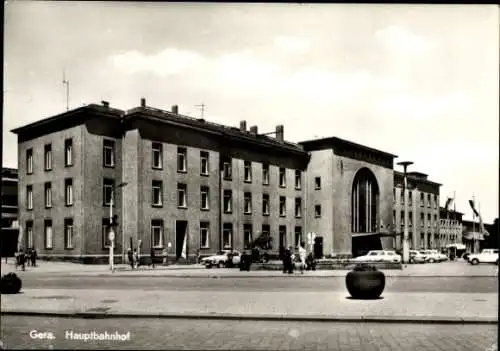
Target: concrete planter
{"type": "Point", "coordinates": [320, 266]}
{"type": "Point", "coordinates": [10, 284]}
{"type": "Point", "coordinates": [365, 284]}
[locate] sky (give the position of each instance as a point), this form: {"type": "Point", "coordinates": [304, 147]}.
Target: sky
{"type": "Point", "coordinates": [418, 81]}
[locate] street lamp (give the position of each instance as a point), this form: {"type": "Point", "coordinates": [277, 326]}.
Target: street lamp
{"type": "Point", "coordinates": [111, 224]}
{"type": "Point", "coordinates": [406, 244]}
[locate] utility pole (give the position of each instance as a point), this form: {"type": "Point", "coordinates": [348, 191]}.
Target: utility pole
{"type": "Point", "coordinates": [66, 82]}
{"type": "Point", "coordinates": [406, 244]}
{"type": "Point", "coordinates": [202, 108]}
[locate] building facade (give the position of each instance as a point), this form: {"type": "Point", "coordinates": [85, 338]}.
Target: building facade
{"type": "Point", "coordinates": [450, 227]}
{"type": "Point", "coordinates": [9, 221]}
{"type": "Point", "coordinates": [423, 210]}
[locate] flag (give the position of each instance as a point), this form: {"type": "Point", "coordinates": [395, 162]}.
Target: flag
{"type": "Point", "coordinates": [471, 203]}
{"type": "Point", "coordinates": [448, 203]}
{"type": "Point", "coordinates": [183, 254]}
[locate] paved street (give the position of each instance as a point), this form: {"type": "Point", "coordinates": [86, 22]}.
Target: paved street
{"type": "Point", "coordinates": [294, 283]}
{"type": "Point", "coordinates": [247, 335]}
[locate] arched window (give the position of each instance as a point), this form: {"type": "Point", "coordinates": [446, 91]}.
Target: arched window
{"type": "Point", "coordinates": [365, 202]}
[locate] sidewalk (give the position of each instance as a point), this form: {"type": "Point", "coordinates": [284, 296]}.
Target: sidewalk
{"type": "Point", "coordinates": [298, 306]}
{"type": "Point", "coordinates": [445, 269]}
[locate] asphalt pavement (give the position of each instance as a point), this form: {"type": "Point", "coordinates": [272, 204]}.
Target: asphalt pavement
{"type": "Point", "coordinates": [154, 334]}
{"type": "Point", "coordinates": [281, 283]}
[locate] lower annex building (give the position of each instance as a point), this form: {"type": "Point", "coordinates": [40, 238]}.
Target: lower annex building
{"type": "Point", "coordinates": [180, 181]}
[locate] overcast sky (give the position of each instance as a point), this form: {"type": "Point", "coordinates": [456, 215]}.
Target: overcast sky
{"type": "Point", "coordinates": [417, 81]}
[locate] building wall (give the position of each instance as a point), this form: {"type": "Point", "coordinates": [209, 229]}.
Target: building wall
{"type": "Point", "coordinates": [9, 222]}
{"type": "Point", "coordinates": [56, 176]}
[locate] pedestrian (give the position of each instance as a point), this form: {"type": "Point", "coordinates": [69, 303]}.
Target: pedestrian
{"type": "Point", "coordinates": [136, 259]}
{"type": "Point", "coordinates": [283, 256]}
{"type": "Point", "coordinates": [290, 260]}
{"type": "Point", "coordinates": [22, 260]}
{"type": "Point", "coordinates": [27, 257]}
{"type": "Point", "coordinates": [198, 256]}
{"type": "Point", "coordinates": [165, 256]}
{"type": "Point", "coordinates": [302, 257]}
{"type": "Point", "coordinates": [33, 257]}
{"type": "Point", "coordinates": [153, 257]}
{"type": "Point", "coordinates": [130, 258]}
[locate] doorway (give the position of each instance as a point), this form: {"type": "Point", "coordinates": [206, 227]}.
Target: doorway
{"type": "Point", "coordinates": [318, 247]}
{"type": "Point", "coordinates": [180, 236]}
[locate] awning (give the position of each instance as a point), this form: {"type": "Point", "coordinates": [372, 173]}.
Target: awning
{"type": "Point", "coordinates": [473, 236]}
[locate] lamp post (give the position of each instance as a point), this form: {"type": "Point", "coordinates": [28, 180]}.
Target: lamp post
{"type": "Point", "coordinates": [111, 230]}
{"type": "Point", "coordinates": [406, 244]}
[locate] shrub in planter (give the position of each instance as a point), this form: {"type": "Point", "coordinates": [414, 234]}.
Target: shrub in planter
{"type": "Point", "coordinates": [10, 284]}
{"type": "Point", "coordinates": [365, 282]}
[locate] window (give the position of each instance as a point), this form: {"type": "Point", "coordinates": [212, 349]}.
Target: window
{"type": "Point", "coordinates": [205, 202]}
{"type": "Point", "coordinates": [157, 193]}
{"type": "Point", "coordinates": [298, 236]}
{"type": "Point", "coordinates": [282, 206]}
{"type": "Point", "coordinates": [364, 202]}
{"type": "Point", "coordinates": [29, 234]}
{"type": "Point", "coordinates": [248, 171]}
{"type": "Point", "coordinates": [29, 197]}
{"type": "Point", "coordinates": [157, 233]}
{"type": "Point", "coordinates": [402, 218]}
{"type": "Point", "coordinates": [410, 216]}
{"type": "Point", "coordinates": [181, 159]}
{"type": "Point", "coordinates": [282, 236]}
{"type": "Point", "coordinates": [48, 233]}
{"type": "Point", "coordinates": [436, 201]}
{"type": "Point", "coordinates": [204, 163]}
{"type": "Point", "coordinates": [265, 174]}
{"type": "Point", "coordinates": [157, 155]}
{"type": "Point", "coordinates": [317, 211]}
{"type": "Point", "coordinates": [421, 219]}
{"type": "Point", "coordinates": [247, 203]}
{"type": "Point", "coordinates": [298, 207]}
{"type": "Point", "coordinates": [428, 220]}
{"type": "Point", "coordinates": [394, 195]}
{"type": "Point", "coordinates": [266, 233]}
{"type": "Point", "coordinates": [421, 200]}
{"type": "Point", "coordinates": [227, 235]}
{"type": "Point", "coordinates": [109, 153]}
{"type": "Point", "coordinates": [394, 217]}
{"type": "Point", "coordinates": [247, 235]}
{"type": "Point", "coordinates": [109, 184]}
{"type": "Point", "coordinates": [68, 191]}
{"type": "Point", "coordinates": [410, 198]}
{"type": "Point", "coordinates": [106, 243]}
{"type": "Point", "coordinates": [428, 200]}
{"type": "Point", "coordinates": [228, 201]}
{"type": "Point", "coordinates": [68, 152]}
{"type": "Point", "coordinates": [181, 195]}
{"type": "Point", "coordinates": [282, 177]}
{"type": "Point", "coordinates": [29, 161]}
{"type": "Point", "coordinates": [317, 183]}
{"type": "Point", "coordinates": [402, 197]}
{"type": "Point", "coordinates": [227, 169]}
{"type": "Point", "coordinates": [204, 235]}
{"type": "Point", "coordinates": [68, 233]}
{"type": "Point", "coordinates": [48, 157]}
{"type": "Point", "coordinates": [298, 179]}
{"type": "Point", "coordinates": [265, 204]}
{"type": "Point", "coordinates": [48, 195]}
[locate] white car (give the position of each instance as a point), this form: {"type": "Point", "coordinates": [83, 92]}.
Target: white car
{"type": "Point", "coordinates": [432, 256]}
{"type": "Point", "coordinates": [221, 258]}
{"type": "Point", "coordinates": [416, 257]}
{"type": "Point", "coordinates": [379, 256]}
{"type": "Point", "coordinates": [486, 256]}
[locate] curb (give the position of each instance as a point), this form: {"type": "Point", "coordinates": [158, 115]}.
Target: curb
{"type": "Point", "coordinates": [282, 318]}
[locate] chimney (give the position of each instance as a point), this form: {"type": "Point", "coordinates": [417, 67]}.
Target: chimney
{"type": "Point", "coordinates": [243, 126]}
{"type": "Point", "coordinates": [143, 102]}
{"type": "Point", "coordinates": [175, 109]}
{"type": "Point", "coordinates": [254, 130]}
{"type": "Point", "coordinates": [105, 103]}
{"type": "Point", "coordinates": [280, 133]}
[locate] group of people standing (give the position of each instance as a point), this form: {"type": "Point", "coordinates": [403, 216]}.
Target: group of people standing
{"type": "Point", "coordinates": [22, 258]}
{"type": "Point", "coordinates": [134, 259]}
{"type": "Point", "coordinates": [289, 258]}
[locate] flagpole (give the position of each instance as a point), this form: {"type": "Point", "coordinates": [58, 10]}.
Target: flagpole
{"type": "Point", "coordinates": [454, 216]}
{"type": "Point", "coordinates": [473, 226]}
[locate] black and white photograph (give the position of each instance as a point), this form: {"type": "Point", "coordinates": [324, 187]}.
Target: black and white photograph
{"type": "Point", "coordinates": [249, 176]}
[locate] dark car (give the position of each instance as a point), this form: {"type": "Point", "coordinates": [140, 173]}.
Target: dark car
{"type": "Point", "coordinates": [466, 255]}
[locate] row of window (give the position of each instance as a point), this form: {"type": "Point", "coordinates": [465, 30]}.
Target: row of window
{"type": "Point", "coordinates": [430, 203]}
{"type": "Point", "coordinates": [68, 194]}
{"type": "Point", "coordinates": [48, 157]}
{"type": "Point", "coordinates": [410, 218]}
{"type": "Point", "coordinates": [157, 237]}
{"type": "Point", "coordinates": [48, 234]}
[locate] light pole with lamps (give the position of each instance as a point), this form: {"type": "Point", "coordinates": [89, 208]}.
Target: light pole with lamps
{"type": "Point", "coordinates": [406, 244]}
{"type": "Point", "coordinates": [111, 224]}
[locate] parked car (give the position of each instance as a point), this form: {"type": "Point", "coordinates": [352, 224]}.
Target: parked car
{"type": "Point", "coordinates": [466, 255]}
{"type": "Point", "coordinates": [221, 259]}
{"type": "Point", "coordinates": [379, 256]}
{"type": "Point", "coordinates": [432, 256]}
{"type": "Point", "coordinates": [416, 257]}
{"type": "Point", "coordinates": [486, 256]}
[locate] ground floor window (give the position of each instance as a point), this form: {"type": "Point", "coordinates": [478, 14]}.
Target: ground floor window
{"type": "Point", "coordinates": [105, 234]}
{"type": "Point", "coordinates": [298, 236]}
{"type": "Point", "coordinates": [68, 233]}
{"type": "Point", "coordinates": [29, 234]}
{"type": "Point", "coordinates": [157, 233]}
{"type": "Point", "coordinates": [48, 234]}
{"type": "Point", "coordinates": [364, 201]}
{"type": "Point", "coordinates": [227, 235]}
{"type": "Point", "coordinates": [204, 235]}
{"type": "Point", "coordinates": [247, 235]}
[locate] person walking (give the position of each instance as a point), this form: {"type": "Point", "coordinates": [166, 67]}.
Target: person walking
{"type": "Point", "coordinates": [153, 257]}
{"type": "Point", "coordinates": [136, 259]}
{"type": "Point", "coordinates": [130, 258]}
{"type": "Point", "coordinates": [283, 258]}
{"type": "Point", "coordinates": [22, 260]}
{"type": "Point", "coordinates": [165, 256]}
{"type": "Point", "coordinates": [33, 257]}
{"type": "Point", "coordinates": [302, 257]}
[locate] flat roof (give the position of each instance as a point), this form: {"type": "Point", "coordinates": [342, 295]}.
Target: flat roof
{"type": "Point", "coordinates": [324, 143]}
{"type": "Point", "coordinates": [412, 177]}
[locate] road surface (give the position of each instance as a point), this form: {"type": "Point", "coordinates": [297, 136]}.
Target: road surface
{"type": "Point", "coordinates": [296, 283]}
{"type": "Point", "coordinates": [242, 335]}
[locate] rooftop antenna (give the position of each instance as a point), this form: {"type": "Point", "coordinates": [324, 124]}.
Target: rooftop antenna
{"type": "Point", "coordinates": [66, 82]}
{"type": "Point", "coordinates": [202, 108]}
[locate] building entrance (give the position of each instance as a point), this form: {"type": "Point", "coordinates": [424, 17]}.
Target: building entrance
{"type": "Point", "coordinates": [180, 237]}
